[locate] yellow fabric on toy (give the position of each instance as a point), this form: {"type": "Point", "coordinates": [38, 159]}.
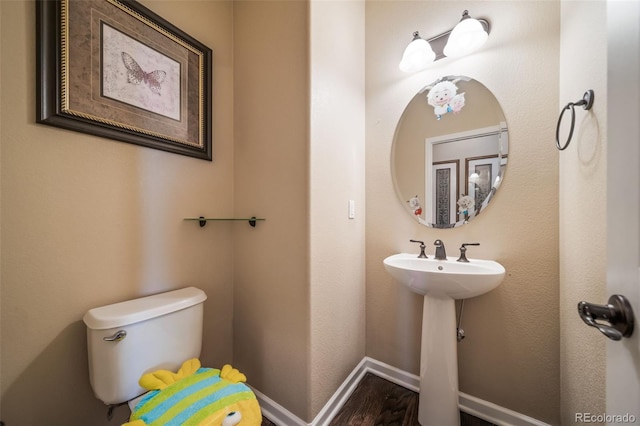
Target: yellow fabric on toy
{"type": "Point", "coordinates": [196, 396]}
{"type": "Point", "coordinates": [162, 378]}
{"type": "Point", "coordinates": [135, 423]}
{"type": "Point", "coordinates": [232, 374]}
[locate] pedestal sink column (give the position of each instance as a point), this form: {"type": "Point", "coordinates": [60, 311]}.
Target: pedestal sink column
{"type": "Point", "coordinates": [438, 404]}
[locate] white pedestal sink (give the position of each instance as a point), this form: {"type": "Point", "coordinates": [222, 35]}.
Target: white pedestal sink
{"type": "Point", "coordinates": [441, 282]}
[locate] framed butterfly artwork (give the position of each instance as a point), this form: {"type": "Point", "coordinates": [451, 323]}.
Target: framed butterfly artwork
{"type": "Point", "coordinates": [115, 69]}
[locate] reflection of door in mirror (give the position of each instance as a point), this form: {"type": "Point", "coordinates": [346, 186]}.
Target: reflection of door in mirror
{"type": "Point", "coordinates": [446, 191]}
{"type": "Point", "coordinates": [483, 151]}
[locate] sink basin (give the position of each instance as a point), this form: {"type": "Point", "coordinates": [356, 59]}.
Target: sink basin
{"type": "Point", "coordinates": [445, 278]}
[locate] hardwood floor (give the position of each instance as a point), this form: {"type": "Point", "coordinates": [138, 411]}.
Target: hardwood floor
{"type": "Point", "coordinates": [378, 402]}
{"type": "Point", "coordinates": [267, 422]}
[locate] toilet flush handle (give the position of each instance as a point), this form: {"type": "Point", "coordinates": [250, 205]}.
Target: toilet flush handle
{"type": "Point", "coordinates": [116, 337]}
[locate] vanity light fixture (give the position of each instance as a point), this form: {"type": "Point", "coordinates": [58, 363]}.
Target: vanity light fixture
{"type": "Point", "coordinates": [418, 55]}
{"type": "Point", "coordinates": [466, 37]}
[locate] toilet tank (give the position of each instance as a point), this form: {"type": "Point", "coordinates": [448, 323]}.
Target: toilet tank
{"type": "Point", "coordinates": [162, 331]}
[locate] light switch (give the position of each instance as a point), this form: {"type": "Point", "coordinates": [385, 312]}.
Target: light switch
{"type": "Point", "coordinates": [352, 209]}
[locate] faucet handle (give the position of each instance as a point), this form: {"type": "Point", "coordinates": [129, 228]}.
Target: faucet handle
{"type": "Point", "coordinates": [422, 255]}
{"type": "Point", "coordinates": [463, 251]}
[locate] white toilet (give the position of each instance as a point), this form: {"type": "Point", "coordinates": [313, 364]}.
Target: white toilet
{"type": "Point", "coordinates": [132, 338]}
{"type": "Point", "coordinates": [156, 341]}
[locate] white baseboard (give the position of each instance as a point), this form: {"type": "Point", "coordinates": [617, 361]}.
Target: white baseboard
{"type": "Point", "coordinates": [469, 404]}
{"type": "Point", "coordinates": [493, 413]}
{"type": "Point", "coordinates": [341, 395]}
{"type": "Point", "coordinates": [276, 412]}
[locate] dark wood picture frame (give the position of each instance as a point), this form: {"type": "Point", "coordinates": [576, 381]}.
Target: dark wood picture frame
{"type": "Point", "coordinates": [115, 69]}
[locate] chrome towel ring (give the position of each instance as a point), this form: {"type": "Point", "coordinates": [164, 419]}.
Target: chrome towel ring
{"type": "Point", "coordinates": [586, 102]}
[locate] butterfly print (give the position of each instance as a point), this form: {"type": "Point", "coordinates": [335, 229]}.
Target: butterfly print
{"type": "Point", "coordinates": [136, 75]}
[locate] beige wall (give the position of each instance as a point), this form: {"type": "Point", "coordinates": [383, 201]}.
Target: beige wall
{"type": "Point", "coordinates": [271, 268]}
{"type": "Point", "coordinates": [336, 176]}
{"type": "Point", "coordinates": [299, 158]}
{"type": "Point", "coordinates": [510, 356]}
{"type": "Point", "coordinates": [88, 221]}
{"type": "Point", "coordinates": [583, 207]}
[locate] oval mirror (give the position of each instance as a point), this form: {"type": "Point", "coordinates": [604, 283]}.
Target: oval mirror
{"type": "Point", "coordinates": [449, 152]}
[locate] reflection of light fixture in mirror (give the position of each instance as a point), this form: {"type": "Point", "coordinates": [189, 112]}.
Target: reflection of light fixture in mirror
{"type": "Point", "coordinates": [417, 56]}
{"type": "Point", "coordinates": [456, 42]}
{"type": "Point", "coordinates": [497, 182]}
{"type": "Point", "coordinates": [473, 177]}
{"type": "Point", "coordinates": [466, 37]}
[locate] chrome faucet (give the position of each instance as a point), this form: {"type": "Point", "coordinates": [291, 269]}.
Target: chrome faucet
{"type": "Point", "coordinates": [441, 253]}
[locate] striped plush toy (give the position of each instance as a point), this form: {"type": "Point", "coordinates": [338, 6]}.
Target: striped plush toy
{"type": "Point", "coordinates": [196, 396]}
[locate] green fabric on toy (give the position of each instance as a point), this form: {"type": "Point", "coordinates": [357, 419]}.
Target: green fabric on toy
{"type": "Point", "coordinates": [195, 396]}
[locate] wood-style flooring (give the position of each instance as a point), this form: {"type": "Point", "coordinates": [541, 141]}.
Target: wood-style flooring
{"type": "Point", "coordinates": [378, 402]}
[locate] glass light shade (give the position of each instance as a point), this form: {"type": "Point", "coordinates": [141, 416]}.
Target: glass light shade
{"type": "Point", "coordinates": [417, 56]}
{"type": "Point", "coordinates": [466, 37]}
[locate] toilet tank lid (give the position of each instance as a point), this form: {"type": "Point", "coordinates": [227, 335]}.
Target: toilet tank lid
{"type": "Point", "coordinates": [142, 309]}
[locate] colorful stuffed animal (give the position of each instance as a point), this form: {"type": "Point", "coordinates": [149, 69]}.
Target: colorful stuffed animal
{"type": "Point", "coordinates": [443, 98]}
{"type": "Point", "coordinates": [415, 206]}
{"type": "Point", "coordinates": [196, 396]}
